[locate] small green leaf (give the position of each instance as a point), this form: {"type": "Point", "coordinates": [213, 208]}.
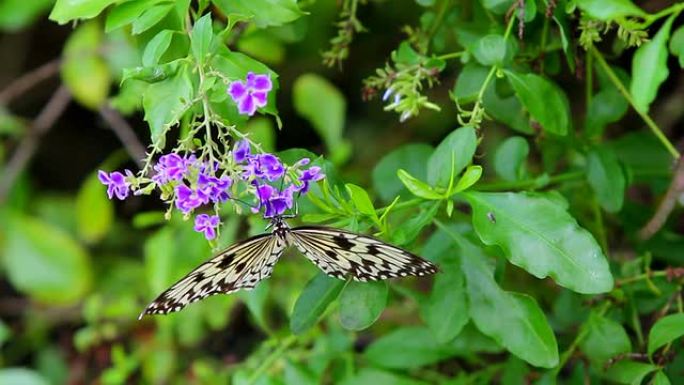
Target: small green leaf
{"type": "Point", "coordinates": [17, 14]}
{"type": "Point", "coordinates": [166, 101]}
{"type": "Point", "coordinates": [545, 101]}
{"type": "Point", "coordinates": [361, 303]}
{"type": "Point", "coordinates": [67, 10]}
{"type": "Point", "coordinates": [497, 6]}
{"type": "Point", "coordinates": [410, 229]}
{"type": "Point", "coordinates": [156, 48]}
{"type": "Point", "coordinates": [629, 372]}
{"type": "Point", "coordinates": [322, 104]}
{"type": "Point", "coordinates": [666, 330]}
{"type": "Point", "coordinates": [201, 38]}
{"type": "Point", "coordinates": [607, 106]}
{"type": "Point", "coordinates": [94, 212]}
{"type": "Point", "coordinates": [610, 9]}
{"type": "Point", "coordinates": [471, 175]}
{"type": "Point", "coordinates": [126, 13]}
{"type": "Point", "coordinates": [412, 158]}
{"type": "Point", "coordinates": [506, 109]}
{"type": "Point", "coordinates": [509, 158]}
{"type": "Point", "coordinates": [649, 67]}
{"type": "Point", "coordinates": [453, 154]}
{"type": "Point", "coordinates": [361, 200]}
{"type": "Point", "coordinates": [490, 50]}
{"type": "Point", "coordinates": [418, 187]}
{"type": "Point", "coordinates": [469, 82]}
{"type": "Point", "coordinates": [660, 378]}
{"type": "Point", "coordinates": [44, 262]}
{"type": "Point", "coordinates": [84, 72]}
{"type": "Point", "coordinates": [513, 320]}
{"type": "Point", "coordinates": [446, 309]}
{"type": "Point", "coordinates": [367, 375]}
{"type": "Point", "coordinates": [21, 376]}
{"type": "Point", "coordinates": [606, 178]}
{"type": "Point", "coordinates": [150, 17]}
{"type": "Point", "coordinates": [265, 13]}
{"type": "Point", "coordinates": [677, 45]}
{"type": "Point", "coordinates": [405, 348]}
{"type": "Point", "coordinates": [604, 339]}
{"type": "Point", "coordinates": [313, 301]}
{"type": "Point", "coordinates": [538, 235]}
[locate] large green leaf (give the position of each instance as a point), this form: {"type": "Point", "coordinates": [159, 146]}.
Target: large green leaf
{"type": "Point", "coordinates": [16, 14]}
{"type": "Point", "coordinates": [629, 372]}
{"type": "Point", "coordinates": [201, 38]}
{"type": "Point", "coordinates": [451, 156]}
{"type": "Point", "coordinates": [67, 10]}
{"type": "Point", "coordinates": [537, 234]}
{"type": "Point", "coordinates": [44, 262]}
{"type": "Point", "coordinates": [609, 9]}
{"type": "Point", "coordinates": [408, 347]}
{"type": "Point", "coordinates": [361, 304]}
{"type": "Point", "coordinates": [666, 330]}
{"type": "Point", "coordinates": [677, 45]}
{"type": "Point", "coordinates": [445, 311]}
{"type": "Point", "coordinates": [412, 158]}
{"type": "Point", "coordinates": [606, 178]}
{"type": "Point", "coordinates": [649, 67]}
{"type": "Point", "coordinates": [264, 12]}
{"type": "Point", "coordinates": [322, 104]}
{"type": "Point", "coordinates": [604, 339]}
{"type": "Point", "coordinates": [513, 320]}
{"type": "Point", "coordinates": [94, 212]}
{"type": "Point", "coordinates": [545, 101]}
{"type": "Point", "coordinates": [313, 301]}
{"type": "Point", "coordinates": [607, 106]}
{"type": "Point", "coordinates": [509, 158]}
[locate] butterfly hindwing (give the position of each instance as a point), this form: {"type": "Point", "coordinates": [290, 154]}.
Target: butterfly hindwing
{"type": "Point", "coordinates": [240, 266]}
{"type": "Point", "coordinates": [341, 253]}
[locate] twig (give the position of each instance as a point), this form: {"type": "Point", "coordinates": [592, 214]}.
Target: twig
{"type": "Point", "coordinates": [125, 134]}
{"type": "Point", "coordinates": [28, 80]}
{"type": "Point", "coordinates": [667, 204]}
{"type": "Point", "coordinates": [27, 147]}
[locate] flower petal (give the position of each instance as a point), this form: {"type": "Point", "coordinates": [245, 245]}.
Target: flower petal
{"type": "Point", "coordinates": [237, 90]}
{"type": "Point", "coordinates": [260, 98]}
{"type": "Point", "coordinates": [247, 106]}
{"type": "Point", "coordinates": [262, 83]}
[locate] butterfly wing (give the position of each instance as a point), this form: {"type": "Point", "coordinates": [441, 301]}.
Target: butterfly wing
{"type": "Point", "coordinates": [341, 253]}
{"type": "Point", "coordinates": [240, 266]}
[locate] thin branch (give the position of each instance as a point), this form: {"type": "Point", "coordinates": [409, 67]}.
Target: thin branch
{"type": "Point", "coordinates": [667, 204]}
{"type": "Point", "coordinates": [27, 147]}
{"type": "Point", "coordinates": [28, 80]}
{"type": "Point", "coordinates": [125, 133]}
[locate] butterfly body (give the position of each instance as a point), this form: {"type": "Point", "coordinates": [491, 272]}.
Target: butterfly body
{"type": "Point", "coordinates": [338, 253]}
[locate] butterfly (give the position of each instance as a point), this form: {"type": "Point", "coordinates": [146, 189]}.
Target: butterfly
{"type": "Point", "coordinates": [339, 253]}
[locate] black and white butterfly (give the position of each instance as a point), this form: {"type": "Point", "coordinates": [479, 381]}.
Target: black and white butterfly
{"type": "Point", "coordinates": [338, 253]}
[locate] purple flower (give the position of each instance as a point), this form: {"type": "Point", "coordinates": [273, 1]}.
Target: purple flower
{"type": "Point", "coordinates": [188, 199]}
{"type": "Point", "coordinates": [271, 166]}
{"type": "Point", "coordinates": [274, 203]}
{"type": "Point", "coordinates": [171, 167]}
{"type": "Point", "coordinates": [216, 189]}
{"type": "Point", "coordinates": [241, 151]}
{"type": "Point", "coordinates": [116, 183]}
{"type": "Point", "coordinates": [251, 94]}
{"type": "Point", "coordinates": [207, 224]}
{"type": "Point", "coordinates": [313, 174]}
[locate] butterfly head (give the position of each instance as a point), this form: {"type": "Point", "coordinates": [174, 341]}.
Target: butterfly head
{"type": "Point", "coordinates": [280, 227]}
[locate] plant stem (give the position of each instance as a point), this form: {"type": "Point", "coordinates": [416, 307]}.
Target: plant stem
{"type": "Point", "coordinates": [536, 183]}
{"type": "Point", "coordinates": [444, 6]}
{"type": "Point", "coordinates": [565, 356]}
{"type": "Point", "coordinates": [271, 359]}
{"type": "Point", "coordinates": [650, 19]}
{"type": "Point", "coordinates": [625, 93]}
{"type": "Point", "coordinates": [451, 55]}
{"type": "Point", "coordinates": [641, 277]}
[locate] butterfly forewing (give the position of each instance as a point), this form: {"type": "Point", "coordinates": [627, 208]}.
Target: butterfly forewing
{"type": "Point", "coordinates": [241, 266]}
{"type": "Point", "coordinates": [340, 254]}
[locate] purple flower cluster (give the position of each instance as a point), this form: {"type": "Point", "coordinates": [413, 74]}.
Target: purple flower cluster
{"type": "Point", "coordinates": [116, 183]}
{"type": "Point", "coordinates": [250, 94]}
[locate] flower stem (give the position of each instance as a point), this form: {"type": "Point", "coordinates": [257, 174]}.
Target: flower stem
{"type": "Point", "coordinates": [625, 93]}
{"type": "Point", "coordinates": [527, 183]}
{"type": "Point", "coordinates": [271, 359]}
{"type": "Point", "coordinates": [452, 55]}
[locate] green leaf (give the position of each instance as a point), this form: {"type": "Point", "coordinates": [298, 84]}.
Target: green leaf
{"type": "Point", "coordinates": [361, 304]}
{"type": "Point", "coordinates": [490, 50]}
{"type": "Point", "coordinates": [666, 330]}
{"type": "Point", "coordinates": [509, 158]}
{"type": "Point", "coordinates": [67, 10]}
{"type": "Point", "coordinates": [44, 262]}
{"type": "Point", "coordinates": [406, 348]}
{"type": "Point", "coordinates": [126, 13]}
{"type": "Point", "coordinates": [506, 109]}
{"type": "Point", "coordinates": [410, 229]}
{"type": "Point", "coordinates": [156, 48]}
{"type": "Point", "coordinates": [538, 235]}
{"type": "Point", "coordinates": [497, 6]}
{"type": "Point", "coordinates": [649, 67]}
{"type": "Point", "coordinates": [262, 46]}
{"type": "Point", "coordinates": [150, 17]}
{"type": "Point", "coordinates": [324, 106]}
{"type": "Point", "coordinates": [17, 14]}
{"type": "Point", "coordinates": [94, 212]}
{"type": "Point", "coordinates": [544, 100]}
{"type": "Point", "coordinates": [471, 175]}
{"type": "Point", "coordinates": [375, 376]}
{"type": "Point", "coordinates": [629, 372]}
{"type": "Point", "coordinates": [604, 339]}
{"type": "Point", "coordinates": [513, 320]}
{"type": "Point", "coordinates": [84, 72]}
{"type": "Point", "coordinates": [261, 131]}
{"type": "Point", "coordinates": [606, 178]}
{"type": "Point", "coordinates": [446, 309]}
{"type": "Point", "coordinates": [607, 106]}
{"type": "Point", "coordinates": [411, 157]}
{"type": "Point", "coordinates": [660, 378]}
{"type": "Point", "coordinates": [21, 376]}
{"type": "Point", "coordinates": [265, 13]}
{"type": "Point", "coordinates": [5, 333]}
{"type": "Point", "coordinates": [418, 187]}
{"type": "Point", "coordinates": [166, 101]}
{"type": "Point", "coordinates": [453, 153]}
{"type": "Point", "coordinates": [469, 82]}
{"type": "Point", "coordinates": [677, 45]}
{"type": "Point", "coordinates": [361, 200]}
{"type": "Point", "coordinates": [313, 301]}
{"type": "Point", "coordinates": [610, 9]}
{"type": "Point", "coordinates": [201, 38]}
